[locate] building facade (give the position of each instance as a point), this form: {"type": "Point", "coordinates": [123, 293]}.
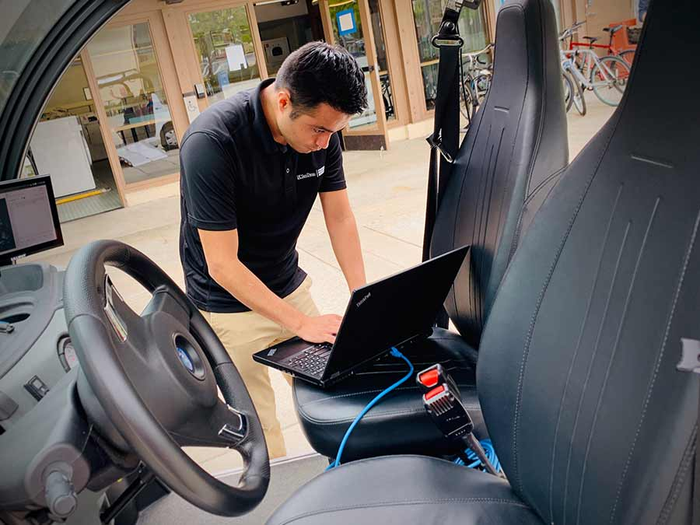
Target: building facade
{"type": "Point", "coordinates": [142, 79]}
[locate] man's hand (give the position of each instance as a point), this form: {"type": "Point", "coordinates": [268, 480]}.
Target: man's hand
{"type": "Point", "coordinates": [320, 329]}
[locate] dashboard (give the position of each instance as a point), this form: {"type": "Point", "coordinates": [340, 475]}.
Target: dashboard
{"type": "Point", "coordinates": [42, 426]}
{"type": "Point", "coordinates": [35, 349]}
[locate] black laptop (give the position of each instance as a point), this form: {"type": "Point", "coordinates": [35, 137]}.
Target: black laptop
{"type": "Point", "coordinates": [390, 312]}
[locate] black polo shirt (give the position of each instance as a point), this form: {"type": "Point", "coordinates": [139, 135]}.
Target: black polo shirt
{"type": "Point", "coordinates": [233, 175]}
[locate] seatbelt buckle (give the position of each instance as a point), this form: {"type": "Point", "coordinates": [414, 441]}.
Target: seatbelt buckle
{"type": "Point", "coordinates": [690, 356]}
{"type": "Point", "coordinates": [447, 40]}
{"type": "Point", "coordinates": [434, 376]}
{"type": "Point", "coordinates": [448, 33]}
{"type": "Point", "coordinates": [447, 412]}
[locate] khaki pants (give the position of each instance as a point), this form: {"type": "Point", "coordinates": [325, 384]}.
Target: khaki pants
{"type": "Point", "coordinates": [245, 333]}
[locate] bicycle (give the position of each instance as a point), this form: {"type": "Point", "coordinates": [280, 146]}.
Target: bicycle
{"type": "Point", "coordinates": [627, 52]}
{"type": "Point", "coordinates": [606, 76]}
{"type": "Point", "coordinates": [476, 73]}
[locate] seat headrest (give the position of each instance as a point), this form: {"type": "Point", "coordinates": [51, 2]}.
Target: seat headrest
{"type": "Point", "coordinates": [663, 86]}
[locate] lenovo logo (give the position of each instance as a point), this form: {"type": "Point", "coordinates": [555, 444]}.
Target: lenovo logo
{"type": "Point", "coordinates": [363, 300]}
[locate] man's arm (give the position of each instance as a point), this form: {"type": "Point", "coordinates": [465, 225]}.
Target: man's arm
{"type": "Point", "coordinates": [345, 239]}
{"type": "Point", "coordinates": [221, 253]}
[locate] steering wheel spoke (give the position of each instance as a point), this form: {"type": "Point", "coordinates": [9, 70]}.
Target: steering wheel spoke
{"type": "Point", "coordinates": [128, 327]}
{"type": "Point", "coordinates": [222, 426]}
{"type": "Point", "coordinates": [162, 301]}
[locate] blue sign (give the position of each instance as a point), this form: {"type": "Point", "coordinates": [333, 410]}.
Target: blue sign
{"type": "Point", "coordinates": [222, 77]}
{"type": "Point", "coordinates": [346, 22]}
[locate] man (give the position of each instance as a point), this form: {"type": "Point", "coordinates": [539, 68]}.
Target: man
{"type": "Point", "coordinates": [251, 167]}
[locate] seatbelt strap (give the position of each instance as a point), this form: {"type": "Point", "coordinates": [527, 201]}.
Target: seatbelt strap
{"type": "Point", "coordinates": [444, 141]}
{"type": "Point", "coordinates": [690, 362]}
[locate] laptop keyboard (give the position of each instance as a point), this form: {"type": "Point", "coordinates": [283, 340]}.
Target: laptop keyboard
{"type": "Point", "coordinates": [311, 360]}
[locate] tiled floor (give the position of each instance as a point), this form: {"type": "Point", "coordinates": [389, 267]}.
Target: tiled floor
{"type": "Point", "coordinates": [107, 201]}
{"type": "Point", "coordinates": [387, 191]}
{"type": "Point", "coordinates": [154, 169]}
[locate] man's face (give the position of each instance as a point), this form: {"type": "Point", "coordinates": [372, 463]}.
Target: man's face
{"type": "Point", "coordinates": [311, 130]}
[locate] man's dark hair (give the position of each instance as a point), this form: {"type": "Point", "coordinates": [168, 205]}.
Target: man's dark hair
{"type": "Point", "coordinates": [318, 72]}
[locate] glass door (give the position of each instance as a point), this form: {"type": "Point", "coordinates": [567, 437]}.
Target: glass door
{"type": "Point", "coordinates": [427, 16]}
{"type": "Point", "coordinates": [348, 24]}
{"type": "Point", "coordinates": [133, 96]}
{"type": "Point", "coordinates": [388, 98]}
{"type": "Point", "coordinates": [223, 42]}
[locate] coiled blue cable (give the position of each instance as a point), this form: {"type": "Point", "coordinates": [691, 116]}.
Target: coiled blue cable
{"type": "Point", "coordinates": [395, 353]}
{"type": "Point", "coordinates": [490, 455]}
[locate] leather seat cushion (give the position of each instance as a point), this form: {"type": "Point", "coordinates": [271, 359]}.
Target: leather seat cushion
{"type": "Point", "coordinates": [404, 489]}
{"type": "Point", "coordinates": [400, 418]}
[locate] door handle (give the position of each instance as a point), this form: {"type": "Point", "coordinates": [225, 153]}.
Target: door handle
{"type": "Point", "coordinates": [368, 69]}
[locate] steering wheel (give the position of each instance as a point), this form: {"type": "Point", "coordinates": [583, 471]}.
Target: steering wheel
{"type": "Point", "coordinates": [155, 378]}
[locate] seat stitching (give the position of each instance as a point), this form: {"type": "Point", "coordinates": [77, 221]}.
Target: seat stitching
{"type": "Point", "coordinates": [621, 324]}
{"type": "Point", "coordinates": [516, 234]}
{"type": "Point", "coordinates": [405, 503]}
{"type": "Point", "coordinates": [472, 131]}
{"type": "Point", "coordinates": [647, 399]}
{"type": "Point", "coordinates": [373, 391]}
{"type": "Point", "coordinates": [540, 298]}
{"type": "Point", "coordinates": [502, 213]}
{"type": "Point", "coordinates": [484, 274]}
{"type": "Point", "coordinates": [476, 256]}
{"type": "Point", "coordinates": [683, 469]}
{"type": "Point", "coordinates": [544, 95]}
{"type": "Point", "coordinates": [481, 322]}
{"type": "Point", "coordinates": [542, 184]}
{"type": "Point", "coordinates": [575, 354]}
{"type": "Point", "coordinates": [376, 391]}
{"type": "Point", "coordinates": [353, 394]}
{"type": "Point", "coordinates": [368, 417]}
{"type": "Point", "coordinates": [593, 355]}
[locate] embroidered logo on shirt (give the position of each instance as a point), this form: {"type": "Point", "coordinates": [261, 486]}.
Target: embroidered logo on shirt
{"type": "Point", "coordinates": [318, 173]}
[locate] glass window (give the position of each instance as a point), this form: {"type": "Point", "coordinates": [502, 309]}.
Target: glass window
{"type": "Point", "coordinates": [352, 38]}
{"type": "Point", "coordinates": [382, 59]}
{"type": "Point", "coordinates": [428, 15]}
{"type": "Point", "coordinates": [68, 145]}
{"type": "Point", "coordinates": [131, 88]}
{"type": "Point", "coordinates": [225, 51]}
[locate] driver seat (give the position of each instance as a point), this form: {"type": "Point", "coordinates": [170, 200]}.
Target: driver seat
{"type": "Point", "coordinates": [509, 160]}
{"type": "Point", "coordinates": [577, 376]}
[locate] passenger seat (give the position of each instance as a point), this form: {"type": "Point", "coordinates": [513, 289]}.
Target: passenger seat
{"type": "Point", "coordinates": [508, 162]}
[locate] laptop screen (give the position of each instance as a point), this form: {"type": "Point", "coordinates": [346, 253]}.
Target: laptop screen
{"type": "Point", "coordinates": [393, 310]}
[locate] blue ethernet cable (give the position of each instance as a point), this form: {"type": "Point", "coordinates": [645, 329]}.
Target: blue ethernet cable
{"type": "Point", "coordinates": [395, 353]}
